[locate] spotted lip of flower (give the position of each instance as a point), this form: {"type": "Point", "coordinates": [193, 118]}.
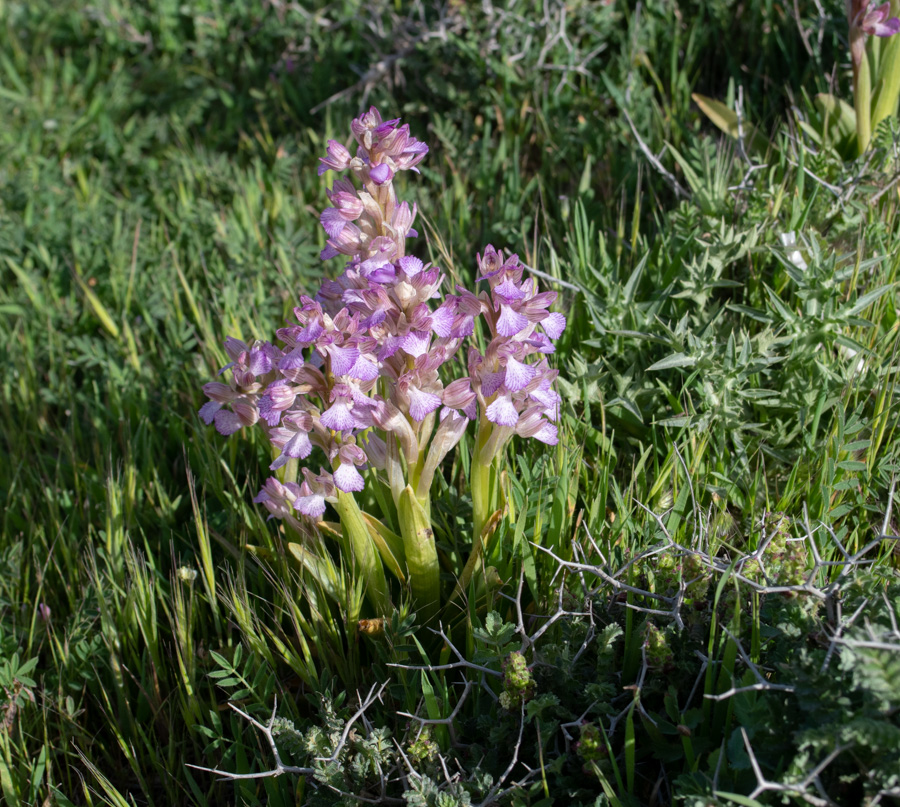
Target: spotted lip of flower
{"type": "Point", "coordinates": [346, 477]}
{"type": "Point", "coordinates": [338, 417]}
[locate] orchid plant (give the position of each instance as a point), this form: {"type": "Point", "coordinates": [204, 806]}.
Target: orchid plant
{"type": "Point", "coordinates": [384, 375]}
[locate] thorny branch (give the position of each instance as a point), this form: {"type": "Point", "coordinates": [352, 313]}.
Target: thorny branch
{"type": "Point", "coordinates": [598, 577]}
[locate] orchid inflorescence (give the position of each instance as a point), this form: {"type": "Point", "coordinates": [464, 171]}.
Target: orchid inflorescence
{"type": "Point", "coordinates": [360, 374]}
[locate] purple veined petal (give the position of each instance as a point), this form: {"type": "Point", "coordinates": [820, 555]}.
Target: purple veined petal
{"type": "Point", "coordinates": [333, 222]}
{"type": "Point", "coordinates": [491, 382]}
{"type": "Point", "coordinates": [503, 412]}
{"type": "Point", "coordinates": [384, 129]}
{"type": "Point", "coordinates": [268, 412]}
{"type": "Point", "coordinates": [348, 479]}
{"type": "Point", "coordinates": [336, 158]}
{"type": "Point", "coordinates": [547, 434]}
{"type": "Point", "coordinates": [298, 447]}
{"type": "Point", "coordinates": [375, 318]}
{"type": "Point", "coordinates": [549, 399]}
{"type": "Point", "coordinates": [342, 359]}
{"type": "Point", "coordinates": [311, 332]}
{"type": "Point", "coordinates": [328, 253]}
{"type": "Point", "coordinates": [888, 27]}
{"type": "Point", "coordinates": [389, 348]}
{"type": "Point", "coordinates": [235, 347]}
{"type": "Point", "coordinates": [510, 322]}
{"type": "Point", "coordinates": [518, 375]}
{"type": "Point", "coordinates": [463, 326]}
{"type": "Point", "coordinates": [227, 422]}
{"type": "Point", "coordinates": [260, 363]}
{"type": "Point", "coordinates": [272, 352]}
{"type": "Point", "coordinates": [411, 233]}
{"type": "Point", "coordinates": [458, 394]}
{"type": "Point", "coordinates": [282, 393]}
{"type": "Point", "coordinates": [541, 342]}
{"type": "Point", "coordinates": [378, 267]}
{"type": "Point", "coordinates": [364, 370]}
{"type": "Point", "coordinates": [246, 410]}
{"type": "Point", "coordinates": [218, 391]}
{"type": "Point", "coordinates": [381, 173]}
{"type": "Point", "coordinates": [442, 320]}
{"type": "Point", "coordinates": [312, 505]}
{"type": "Point", "coordinates": [489, 264]}
{"type": "Point", "coordinates": [279, 435]}
{"type": "Point", "coordinates": [471, 411]}
{"type": "Point", "coordinates": [293, 360]}
{"type": "Point", "coordinates": [403, 217]}
{"type": "Point", "coordinates": [509, 291]}
{"type": "Point", "coordinates": [383, 274]}
{"type": "Point", "coordinates": [416, 343]}
{"type": "Point", "coordinates": [351, 454]}
{"type": "Point", "coordinates": [208, 411]}
{"type": "Point", "coordinates": [553, 325]}
{"type": "Point", "coordinates": [280, 461]}
{"type": "Point", "coordinates": [421, 404]}
{"type": "Point", "coordinates": [338, 417]}
{"type": "Point", "coordinates": [347, 202]}
{"type": "Point", "coordinates": [411, 265]}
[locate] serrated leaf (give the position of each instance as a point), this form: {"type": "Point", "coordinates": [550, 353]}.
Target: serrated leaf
{"type": "Point", "coordinates": [673, 361]}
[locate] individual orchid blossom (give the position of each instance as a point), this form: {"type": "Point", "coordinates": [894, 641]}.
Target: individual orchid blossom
{"type": "Point", "coordinates": [876, 21]}
{"type": "Point", "coordinates": [361, 376]}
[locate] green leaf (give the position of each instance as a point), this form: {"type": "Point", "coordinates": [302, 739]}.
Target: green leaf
{"type": "Point", "coordinates": [675, 360]}
{"type": "Point", "coordinates": [865, 301]}
{"type": "Point", "coordinates": [360, 548]}
{"type": "Point", "coordinates": [727, 120]}
{"type": "Point", "coordinates": [421, 554]}
{"type": "Point", "coordinates": [839, 120]}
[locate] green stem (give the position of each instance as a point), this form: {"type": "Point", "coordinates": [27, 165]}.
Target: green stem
{"type": "Point", "coordinates": [862, 101]}
{"type": "Point", "coordinates": [421, 555]}
{"type": "Point", "coordinates": [362, 555]}
{"type": "Point", "coordinates": [480, 481]}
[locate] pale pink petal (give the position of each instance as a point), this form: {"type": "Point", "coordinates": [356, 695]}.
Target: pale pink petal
{"type": "Point", "coordinates": [342, 359]}
{"type": "Point", "coordinates": [416, 342]}
{"type": "Point", "coordinates": [338, 417]}
{"type": "Point", "coordinates": [503, 412]}
{"type": "Point", "coordinates": [208, 411]}
{"type": "Point", "coordinates": [348, 479]}
{"type": "Point", "coordinates": [312, 505]}
{"type": "Point", "coordinates": [227, 422]}
{"type": "Point", "coordinates": [510, 322]}
{"type": "Point", "coordinates": [518, 374]}
{"type": "Point", "coordinates": [422, 403]}
{"type": "Point", "coordinates": [553, 325]}
{"type": "Point", "coordinates": [332, 221]}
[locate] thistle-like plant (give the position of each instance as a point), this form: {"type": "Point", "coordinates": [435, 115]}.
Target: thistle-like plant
{"type": "Point", "coordinates": [372, 374]}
